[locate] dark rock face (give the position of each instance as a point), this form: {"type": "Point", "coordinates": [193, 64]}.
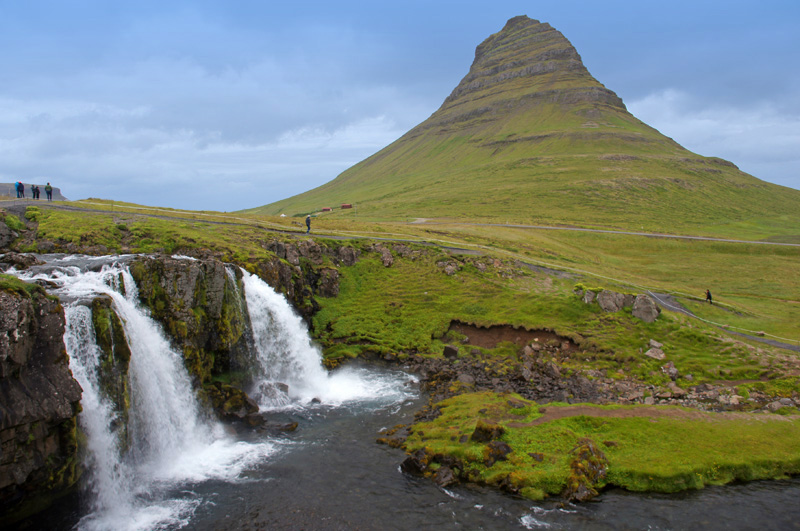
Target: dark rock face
{"type": "Point", "coordinates": [230, 402]}
{"type": "Point", "coordinates": [200, 307]}
{"type": "Point", "coordinates": [6, 235]}
{"type": "Point", "coordinates": [39, 404]}
{"type": "Point", "coordinates": [524, 48]}
{"type": "Point", "coordinates": [114, 361]}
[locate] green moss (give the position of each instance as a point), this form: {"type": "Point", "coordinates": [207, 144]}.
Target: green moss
{"type": "Point", "coordinates": [32, 213]}
{"type": "Point", "coordinates": [14, 223]}
{"type": "Point", "coordinates": [647, 449]}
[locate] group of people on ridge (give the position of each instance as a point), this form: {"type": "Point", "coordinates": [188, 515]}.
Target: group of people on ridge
{"type": "Point", "coordinates": [34, 191]}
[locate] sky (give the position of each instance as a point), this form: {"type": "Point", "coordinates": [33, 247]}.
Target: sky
{"type": "Point", "coordinates": [228, 105]}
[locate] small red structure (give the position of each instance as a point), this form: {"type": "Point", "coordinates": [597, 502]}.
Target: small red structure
{"type": "Point", "coordinates": [327, 209]}
{"type": "Point", "coordinates": [346, 205]}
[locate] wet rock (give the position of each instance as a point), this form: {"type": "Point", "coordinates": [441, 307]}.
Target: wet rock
{"type": "Point", "coordinates": [230, 402]}
{"type": "Point", "coordinates": [645, 308]}
{"type": "Point", "coordinates": [199, 305]}
{"type": "Point", "coordinates": [445, 477]}
{"type": "Point", "coordinates": [496, 451]}
{"type": "Point", "coordinates": [450, 352]}
{"type": "Point", "coordinates": [416, 463]}
{"type": "Point", "coordinates": [20, 261]}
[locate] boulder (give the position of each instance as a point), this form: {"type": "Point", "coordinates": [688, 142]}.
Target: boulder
{"type": "Point", "coordinates": [655, 353]}
{"type": "Point", "coordinates": [655, 344]}
{"type": "Point", "coordinates": [645, 308]}
{"type": "Point", "coordinates": [466, 379]}
{"type": "Point", "coordinates": [496, 451]}
{"type": "Point", "coordinates": [486, 431]}
{"type": "Point", "coordinates": [588, 296]}
{"type": "Point", "coordinates": [20, 260]}
{"type": "Point", "coordinates": [347, 255]}
{"type": "Point", "coordinates": [450, 352]}
{"type": "Point", "coordinates": [416, 463]}
{"type": "Point", "coordinates": [445, 477]}
{"type": "Point", "coordinates": [610, 301]}
{"type": "Point", "coordinates": [670, 370]}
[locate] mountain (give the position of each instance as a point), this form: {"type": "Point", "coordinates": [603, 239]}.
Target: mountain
{"type": "Point", "coordinates": [530, 136]}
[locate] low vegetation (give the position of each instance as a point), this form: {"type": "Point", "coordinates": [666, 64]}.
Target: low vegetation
{"type": "Point", "coordinates": [527, 278]}
{"type": "Point", "coordinates": [639, 448]}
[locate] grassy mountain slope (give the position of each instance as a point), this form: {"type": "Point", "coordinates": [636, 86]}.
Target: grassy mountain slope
{"type": "Point", "coordinates": [530, 136]}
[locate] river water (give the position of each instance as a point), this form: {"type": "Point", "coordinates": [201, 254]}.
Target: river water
{"type": "Point", "coordinates": [189, 472]}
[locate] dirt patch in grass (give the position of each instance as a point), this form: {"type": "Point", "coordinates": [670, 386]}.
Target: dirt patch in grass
{"type": "Point", "coordinates": [490, 337]}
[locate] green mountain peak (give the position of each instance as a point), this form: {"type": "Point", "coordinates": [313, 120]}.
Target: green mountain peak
{"type": "Point", "coordinates": [529, 136]}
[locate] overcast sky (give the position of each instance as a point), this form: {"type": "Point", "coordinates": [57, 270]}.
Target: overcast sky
{"type": "Point", "coordinates": [226, 105]}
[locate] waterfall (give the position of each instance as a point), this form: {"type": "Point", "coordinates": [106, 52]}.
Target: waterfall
{"type": "Point", "coordinates": [289, 369]}
{"type": "Point", "coordinates": [171, 443]}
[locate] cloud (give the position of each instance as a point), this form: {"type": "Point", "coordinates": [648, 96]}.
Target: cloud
{"type": "Point", "coordinates": [761, 137]}
{"type": "Point", "coordinates": [116, 152]}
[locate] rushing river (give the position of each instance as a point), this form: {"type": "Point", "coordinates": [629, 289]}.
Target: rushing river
{"type": "Point", "coordinates": [186, 471]}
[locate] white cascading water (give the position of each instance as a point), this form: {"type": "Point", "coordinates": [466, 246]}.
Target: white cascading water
{"type": "Point", "coordinates": [171, 443]}
{"type": "Point", "coordinates": [290, 370]}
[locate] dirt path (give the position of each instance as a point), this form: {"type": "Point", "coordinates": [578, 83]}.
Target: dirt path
{"type": "Point", "coordinates": [651, 412]}
{"type": "Point", "coordinates": [605, 231]}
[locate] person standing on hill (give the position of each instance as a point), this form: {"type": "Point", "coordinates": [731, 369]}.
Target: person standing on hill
{"type": "Point", "coordinates": [308, 223]}
{"type": "Point", "coordinates": [49, 191]}
{"type": "Point", "coordinates": [21, 191]}
{"type": "Point", "coordinates": [708, 297]}
{"type": "Point", "coordinates": [35, 191]}
{"type": "Point", "coordinates": [16, 188]}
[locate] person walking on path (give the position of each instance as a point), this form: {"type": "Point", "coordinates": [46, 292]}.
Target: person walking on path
{"type": "Point", "coordinates": [308, 223]}
{"type": "Point", "coordinates": [708, 297]}
{"type": "Point", "coordinates": [49, 191]}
